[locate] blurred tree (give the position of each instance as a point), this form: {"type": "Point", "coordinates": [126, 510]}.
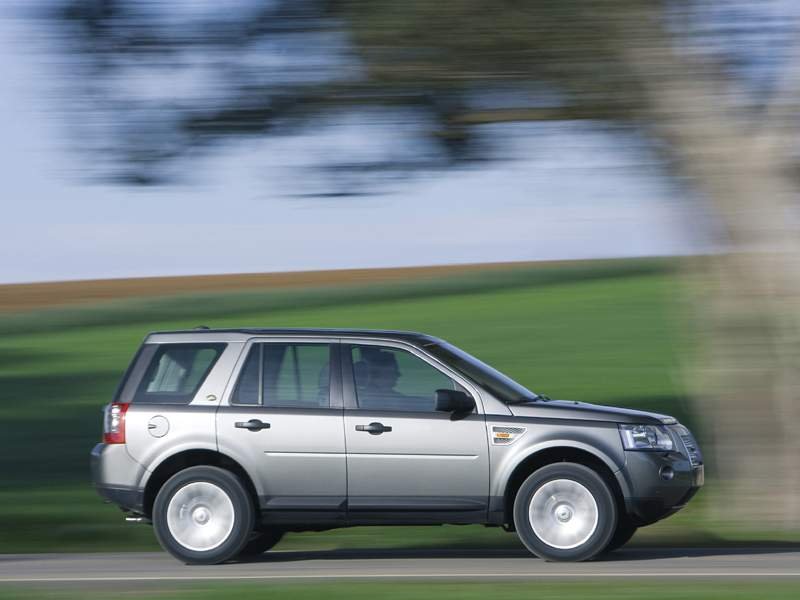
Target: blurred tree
{"type": "Point", "coordinates": [464, 63]}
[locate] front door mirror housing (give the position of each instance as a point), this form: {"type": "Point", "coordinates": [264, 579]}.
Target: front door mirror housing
{"type": "Point", "coordinates": [456, 402]}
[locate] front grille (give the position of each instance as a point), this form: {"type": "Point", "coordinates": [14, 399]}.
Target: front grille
{"type": "Point", "coordinates": [692, 451]}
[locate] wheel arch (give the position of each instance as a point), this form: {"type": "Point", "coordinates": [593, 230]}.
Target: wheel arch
{"type": "Point", "coordinates": [579, 454]}
{"type": "Point", "coordinates": [192, 458]}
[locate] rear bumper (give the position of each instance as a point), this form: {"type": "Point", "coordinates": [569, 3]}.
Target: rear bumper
{"type": "Point", "coordinates": [654, 497]}
{"type": "Point", "coordinates": [128, 499]}
{"type": "Point", "coordinates": [116, 475]}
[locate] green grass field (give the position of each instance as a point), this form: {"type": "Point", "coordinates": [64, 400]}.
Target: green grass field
{"type": "Point", "coordinates": [608, 332]}
{"type": "Point", "coordinates": [395, 590]}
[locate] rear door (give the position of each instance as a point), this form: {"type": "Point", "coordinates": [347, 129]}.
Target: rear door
{"type": "Point", "coordinates": [282, 419]}
{"type": "Point", "coordinates": [406, 461]}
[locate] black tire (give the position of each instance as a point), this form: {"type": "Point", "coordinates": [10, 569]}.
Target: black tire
{"type": "Point", "coordinates": [243, 515]}
{"type": "Point", "coordinates": [600, 492]}
{"type": "Point", "coordinates": [622, 535]}
{"type": "Point", "coordinates": [262, 540]}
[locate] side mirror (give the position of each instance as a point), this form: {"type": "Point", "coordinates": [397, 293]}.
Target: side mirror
{"type": "Point", "coordinates": [454, 401]}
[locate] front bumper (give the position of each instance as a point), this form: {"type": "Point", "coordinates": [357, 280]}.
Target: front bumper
{"type": "Point", "coordinates": [660, 484]}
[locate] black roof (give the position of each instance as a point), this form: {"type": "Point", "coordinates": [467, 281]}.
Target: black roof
{"type": "Point", "coordinates": [406, 336]}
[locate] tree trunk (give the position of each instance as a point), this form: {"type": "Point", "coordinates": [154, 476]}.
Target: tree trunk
{"type": "Point", "coordinates": [748, 295]}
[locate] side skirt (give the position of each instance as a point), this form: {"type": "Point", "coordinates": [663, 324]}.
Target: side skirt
{"type": "Point", "coordinates": [302, 512]}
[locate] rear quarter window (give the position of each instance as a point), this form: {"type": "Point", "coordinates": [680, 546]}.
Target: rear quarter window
{"type": "Point", "coordinates": [170, 373]}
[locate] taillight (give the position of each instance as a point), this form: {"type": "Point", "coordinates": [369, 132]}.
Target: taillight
{"type": "Point", "coordinates": [114, 423]}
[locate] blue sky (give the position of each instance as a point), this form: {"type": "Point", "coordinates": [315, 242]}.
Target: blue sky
{"type": "Point", "coordinates": [568, 192]}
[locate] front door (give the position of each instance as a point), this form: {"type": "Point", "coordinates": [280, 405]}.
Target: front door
{"type": "Point", "coordinates": [283, 420]}
{"type": "Point", "coordinates": [406, 461]}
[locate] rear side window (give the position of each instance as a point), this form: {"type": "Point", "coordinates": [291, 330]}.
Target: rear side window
{"type": "Point", "coordinates": [285, 375]}
{"type": "Point", "coordinates": [175, 372]}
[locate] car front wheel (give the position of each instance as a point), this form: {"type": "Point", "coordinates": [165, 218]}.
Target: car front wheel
{"type": "Point", "coordinates": [623, 534]}
{"type": "Point", "coordinates": [565, 512]}
{"type": "Point", "coordinates": [203, 515]}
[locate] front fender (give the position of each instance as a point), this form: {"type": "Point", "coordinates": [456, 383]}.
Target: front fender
{"type": "Point", "coordinates": [600, 440]}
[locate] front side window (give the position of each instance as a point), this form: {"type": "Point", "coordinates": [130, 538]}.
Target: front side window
{"type": "Point", "coordinates": [176, 372]}
{"type": "Point", "coordinates": [394, 379]}
{"type": "Point", "coordinates": [285, 375]}
{"type": "Point", "coordinates": [501, 386]}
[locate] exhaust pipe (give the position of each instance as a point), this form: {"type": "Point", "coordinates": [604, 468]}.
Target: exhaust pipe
{"type": "Point", "coordinates": [138, 519]}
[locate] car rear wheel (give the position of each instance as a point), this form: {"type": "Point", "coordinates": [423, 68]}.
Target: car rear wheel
{"type": "Point", "coordinates": [203, 515]}
{"type": "Point", "coordinates": [261, 541]}
{"type": "Point", "coordinates": [565, 512]}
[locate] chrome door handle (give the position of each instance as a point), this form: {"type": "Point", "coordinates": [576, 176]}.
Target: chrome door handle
{"type": "Point", "coordinates": [252, 425]}
{"type": "Point", "coordinates": [374, 428]}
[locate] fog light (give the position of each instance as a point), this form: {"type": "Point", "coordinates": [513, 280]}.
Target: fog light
{"type": "Point", "coordinates": [666, 473]}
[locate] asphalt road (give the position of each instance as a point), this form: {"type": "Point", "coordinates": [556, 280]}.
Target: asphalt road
{"type": "Point", "coordinates": [707, 563]}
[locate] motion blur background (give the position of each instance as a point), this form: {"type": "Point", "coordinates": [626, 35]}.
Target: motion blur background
{"type": "Point", "coordinates": [611, 188]}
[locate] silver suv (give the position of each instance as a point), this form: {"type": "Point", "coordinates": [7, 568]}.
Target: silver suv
{"type": "Point", "coordinates": [226, 439]}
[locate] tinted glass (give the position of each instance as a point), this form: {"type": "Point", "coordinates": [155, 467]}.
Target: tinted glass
{"type": "Point", "coordinates": [291, 375]}
{"type": "Point", "coordinates": [393, 379]}
{"type": "Point", "coordinates": [176, 372]}
{"type": "Point", "coordinates": [296, 375]}
{"type": "Point", "coordinates": [501, 386]}
{"type": "Point", "coordinates": [246, 391]}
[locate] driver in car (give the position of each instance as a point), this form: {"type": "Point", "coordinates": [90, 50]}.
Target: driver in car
{"type": "Point", "coordinates": [383, 375]}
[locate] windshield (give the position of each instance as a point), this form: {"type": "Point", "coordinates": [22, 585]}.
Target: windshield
{"type": "Point", "coordinates": [501, 386]}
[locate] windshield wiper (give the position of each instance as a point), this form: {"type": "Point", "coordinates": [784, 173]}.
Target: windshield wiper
{"type": "Point", "coordinates": [525, 399]}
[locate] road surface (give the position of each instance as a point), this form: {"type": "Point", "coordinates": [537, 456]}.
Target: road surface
{"type": "Point", "coordinates": [700, 563]}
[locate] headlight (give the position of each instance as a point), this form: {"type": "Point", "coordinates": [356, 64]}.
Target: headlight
{"type": "Point", "coordinates": [645, 437]}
